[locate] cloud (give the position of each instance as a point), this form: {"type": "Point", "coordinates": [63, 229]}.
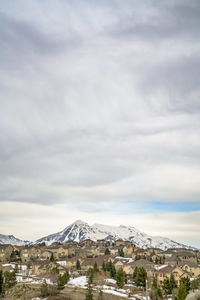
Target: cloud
{"type": "Point", "coordinates": [99, 103]}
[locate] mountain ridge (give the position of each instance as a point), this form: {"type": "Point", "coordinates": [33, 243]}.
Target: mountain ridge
{"type": "Point", "coordinates": [80, 230]}
{"type": "Point", "coordinates": [12, 240]}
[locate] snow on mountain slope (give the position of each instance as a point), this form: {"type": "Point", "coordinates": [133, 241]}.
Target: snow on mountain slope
{"type": "Point", "coordinates": [10, 239]}
{"type": "Point", "coordinates": [79, 231]}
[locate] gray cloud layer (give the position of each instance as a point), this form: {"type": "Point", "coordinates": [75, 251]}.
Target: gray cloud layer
{"type": "Point", "coordinates": [99, 101]}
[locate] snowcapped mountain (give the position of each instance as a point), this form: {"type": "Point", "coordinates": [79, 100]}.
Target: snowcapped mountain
{"type": "Point", "coordinates": [79, 231]}
{"type": "Point", "coordinates": [10, 239]}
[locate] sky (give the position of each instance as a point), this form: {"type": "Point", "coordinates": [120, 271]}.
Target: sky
{"type": "Point", "coordinates": [100, 116]}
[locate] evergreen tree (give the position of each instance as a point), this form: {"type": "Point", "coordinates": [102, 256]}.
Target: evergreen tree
{"type": "Point", "coordinates": [104, 266]}
{"type": "Point", "coordinates": [186, 282]}
{"type": "Point", "coordinates": [62, 280]}
{"type": "Point", "coordinates": [1, 282]}
{"type": "Point", "coordinates": [156, 260]}
{"type": "Point", "coordinates": [140, 276]}
{"type": "Point", "coordinates": [111, 268]}
{"type": "Point", "coordinates": [182, 292]}
{"type": "Point", "coordinates": [10, 279]}
{"type": "Point", "coordinates": [78, 265]}
{"type": "Point", "coordinates": [65, 277]}
{"type": "Point", "coordinates": [89, 295]}
{"type": "Point", "coordinates": [155, 283]}
{"type": "Point", "coordinates": [44, 289]}
{"type": "Point", "coordinates": [172, 281]}
{"type": "Point", "coordinates": [96, 269]}
{"type": "Point", "coordinates": [107, 251]}
{"type": "Point", "coordinates": [135, 273]}
{"type": "Point", "coordinates": [12, 256]}
{"type": "Point", "coordinates": [120, 278]}
{"type": "Point", "coordinates": [195, 284]}
{"type": "Point", "coordinates": [167, 287]}
{"type": "Point", "coordinates": [156, 292]}
{"type": "Point", "coordinates": [52, 257]}
{"type": "Point", "coordinates": [112, 271]}
{"type": "Point", "coordinates": [91, 274]}
{"type": "Point", "coordinates": [121, 252]}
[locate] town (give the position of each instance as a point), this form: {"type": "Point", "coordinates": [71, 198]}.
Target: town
{"type": "Point", "coordinates": [97, 270]}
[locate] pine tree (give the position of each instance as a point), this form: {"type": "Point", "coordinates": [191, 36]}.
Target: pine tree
{"type": "Point", "coordinates": [12, 256]}
{"type": "Point", "coordinates": [121, 252]}
{"type": "Point", "coordinates": [156, 260]}
{"type": "Point", "coordinates": [182, 292]}
{"type": "Point", "coordinates": [89, 295]}
{"type": "Point", "coordinates": [112, 271]}
{"type": "Point", "coordinates": [62, 280]}
{"type": "Point", "coordinates": [52, 257]}
{"type": "Point", "coordinates": [195, 284]}
{"type": "Point", "coordinates": [104, 266]}
{"type": "Point", "coordinates": [78, 265]}
{"type": "Point", "coordinates": [172, 281]}
{"type": "Point", "coordinates": [135, 273]}
{"type": "Point", "coordinates": [186, 282]}
{"type": "Point", "coordinates": [60, 283]}
{"type": "Point", "coordinates": [156, 292]}
{"type": "Point", "coordinates": [96, 269]}
{"type": "Point", "coordinates": [167, 287]}
{"type": "Point", "coordinates": [44, 289]}
{"type": "Point", "coordinates": [107, 251]}
{"type": "Point", "coordinates": [10, 279]}
{"type": "Point", "coordinates": [140, 276]}
{"type": "Point", "coordinates": [90, 275]}
{"type": "Point", "coordinates": [155, 283]}
{"type": "Point", "coordinates": [120, 278]}
{"type": "Point", "coordinates": [65, 277]}
{"type": "Point", "coordinates": [1, 282]}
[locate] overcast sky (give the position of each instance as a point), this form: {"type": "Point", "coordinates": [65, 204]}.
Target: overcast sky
{"type": "Point", "coordinates": [100, 116]}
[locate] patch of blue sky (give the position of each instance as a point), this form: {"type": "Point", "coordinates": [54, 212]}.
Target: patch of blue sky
{"type": "Point", "coordinates": [136, 207]}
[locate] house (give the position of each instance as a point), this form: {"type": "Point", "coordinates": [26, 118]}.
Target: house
{"type": "Point", "coordinates": [30, 253]}
{"type": "Point", "coordinates": [128, 250]}
{"type": "Point", "coordinates": [167, 271]}
{"type": "Point", "coordinates": [191, 268]}
{"type": "Point", "coordinates": [5, 252]}
{"type": "Point", "coordinates": [87, 242]}
{"type": "Point", "coordinates": [186, 256]}
{"type": "Point", "coordinates": [89, 262]}
{"type": "Point", "coordinates": [176, 257]}
{"type": "Point", "coordinates": [59, 251]}
{"type": "Point", "coordinates": [120, 243]}
{"type": "Point", "coordinates": [88, 252]}
{"type": "Point", "coordinates": [46, 268]}
{"type": "Point", "coordinates": [45, 255]}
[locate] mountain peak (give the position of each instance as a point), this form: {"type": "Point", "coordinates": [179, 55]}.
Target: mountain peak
{"type": "Point", "coordinates": [79, 222]}
{"type": "Point", "coordinates": [80, 231]}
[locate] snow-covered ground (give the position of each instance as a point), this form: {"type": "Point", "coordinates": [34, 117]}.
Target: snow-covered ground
{"type": "Point", "coordinates": [113, 292]}
{"type": "Point", "coordinates": [110, 280]}
{"type": "Point", "coordinates": [62, 263]}
{"type": "Point", "coordinates": [32, 279]}
{"type": "Point", "coordinates": [80, 281]}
